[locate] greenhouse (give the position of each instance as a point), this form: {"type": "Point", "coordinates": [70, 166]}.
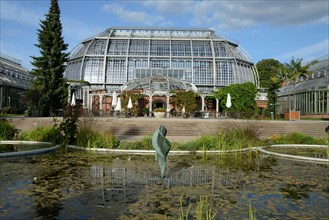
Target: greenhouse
{"type": "Point", "coordinates": [119, 55]}
{"type": "Point", "coordinates": [312, 94]}
{"type": "Point", "coordinates": [14, 80]}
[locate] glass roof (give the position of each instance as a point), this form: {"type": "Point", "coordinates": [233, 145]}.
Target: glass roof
{"type": "Point", "coordinates": [321, 83]}
{"type": "Point", "coordinates": [13, 74]}
{"type": "Point", "coordinates": [158, 83]}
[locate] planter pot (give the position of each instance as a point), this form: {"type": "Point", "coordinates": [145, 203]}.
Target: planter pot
{"type": "Point", "coordinates": [159, 114]}
{"type": "Point", "coordinates": [293, 115]}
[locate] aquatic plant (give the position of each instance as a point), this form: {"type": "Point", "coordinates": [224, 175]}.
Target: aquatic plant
{"type": "Point", "coordinates": [183, 215]}
{"type": "Point", "coordinates": [203, 210]}
{"type": "Point", "coordinates": [252, 213]}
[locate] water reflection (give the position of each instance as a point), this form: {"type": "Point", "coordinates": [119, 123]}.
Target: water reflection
{"type": "Point", "coordinates": [71, 185]}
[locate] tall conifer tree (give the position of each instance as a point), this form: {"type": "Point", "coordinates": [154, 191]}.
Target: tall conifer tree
{"type": "Point", "coordinates": [49, 67]}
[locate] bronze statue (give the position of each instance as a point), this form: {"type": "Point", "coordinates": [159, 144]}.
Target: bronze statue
{"type": "Point", "coordinates": [161, 146]}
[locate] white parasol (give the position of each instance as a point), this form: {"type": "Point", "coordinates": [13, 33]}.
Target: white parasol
{"type": "Point", "coordinates": [130, 103]}
{"type": "Point", "coordinates": [228, 101]}
{"type": "Point", "coordinates": [118, 105]}
{"type": "Point", "coordinates": [114, 99]}
{"type": "Point", "coordinates": [73, 99]}
{"type": "Point", "coordinates": [183, 110]}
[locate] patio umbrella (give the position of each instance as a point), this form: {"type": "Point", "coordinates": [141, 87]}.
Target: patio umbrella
{"type": "Point", "coordinates": [118, 105]}
{"type": "Point", "coordinates": [228, 101]}
{"type": "Point", "coordinates": [114, 99]}
{"type": "Point", "coordinates": [73, 99]}
{"type": "Point", "coordinates": [130, 103]}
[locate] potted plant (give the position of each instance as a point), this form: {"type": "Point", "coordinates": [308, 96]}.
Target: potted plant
{"type": "Point", "coordinates": [159, 112]}
{"type": "Point", "coordinates": [145, 111]}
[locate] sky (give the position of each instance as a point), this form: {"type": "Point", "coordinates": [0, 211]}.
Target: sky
{"type": "Point", "coordinates": [277, 29]}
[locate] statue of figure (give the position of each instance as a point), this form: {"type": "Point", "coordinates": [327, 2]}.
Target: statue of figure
{"type": "Point", "coordinates": [161, 146]}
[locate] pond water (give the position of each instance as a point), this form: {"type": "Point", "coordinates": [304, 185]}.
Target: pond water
{"type": "Point", "coordinates": [72, 184]}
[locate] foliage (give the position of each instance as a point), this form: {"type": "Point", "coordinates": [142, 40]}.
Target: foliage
{"type": "Point", "coordinates": [7, 131]}
{"type": "Point", "coordinates": [144, 144]}
{"type": "Point", "coordinates": [204, 142]}
{"type": "Point", "coordinates": [87, 137]}
{"type": "Point", "coordinates": [145, 110]}
{"type": "Point", "coordinates": [230, 138]}
{"type": "Point", "coordinates": [185, 99]}
{"type": "Point", "coordinates": [297, 138]}
{"type": "Point", "coordinates": [294, 70]}
{"type": "Point", "coordinates": [267, 69]}
{"type": "Point", "coordinates": [49, 90]}
{"type": "Point", "coordinates": [275, 71]}
{"type": "Point", "coordinates": [242, 96]}
{"type": "Point", "coordinates": [159, 110]}
{"type": "Point", "coordinates": [70, 124]}
{"type": "Point", "coordinates": [135, 98]}
{"type": "Point", "coordinates": [44, 134]}
{"type": "Point", "coordinates": [203, 210]}
{"type": "Point", "coordinates": [252, 213]}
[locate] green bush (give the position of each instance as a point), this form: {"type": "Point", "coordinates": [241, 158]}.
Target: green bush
{"type": "Point", "coordinates": [44, 134]}
{"type": "Point", "coordinates": [7, 131]}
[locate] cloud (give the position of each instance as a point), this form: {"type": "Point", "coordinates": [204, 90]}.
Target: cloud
{"type": "Point", "coordinates": [242, 14]}
{"type": "Point", "coordinates": [14, 12]}
{"type": "Point", "coordinates": [307, 53]}
{"type": "Point", "coordinates": [170, 8]}
{"type": "Point", "coordinates": [132, 16]}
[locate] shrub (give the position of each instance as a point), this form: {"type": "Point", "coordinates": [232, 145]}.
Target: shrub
{"type": "Point", "coordinates": [7, 131]}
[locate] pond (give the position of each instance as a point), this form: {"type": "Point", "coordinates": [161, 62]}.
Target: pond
{"type": "Point", "coordinates": [71, 184]}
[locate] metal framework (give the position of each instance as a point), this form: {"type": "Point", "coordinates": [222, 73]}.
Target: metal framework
{"type": "Point", "coordinates": [119, 55]}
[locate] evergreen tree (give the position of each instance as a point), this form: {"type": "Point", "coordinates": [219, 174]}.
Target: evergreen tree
{"type": "Point", "coordinates": [49, 67]}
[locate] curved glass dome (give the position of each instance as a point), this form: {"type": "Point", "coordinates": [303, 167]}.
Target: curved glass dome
{"type": "Point", "coordinates": [118, 55]}
{"type": "Point", "coordinates": [158, 83]}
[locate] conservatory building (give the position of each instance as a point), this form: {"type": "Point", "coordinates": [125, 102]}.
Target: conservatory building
{"type": "Point", "coordinates": [311, 94]}
{"type": "Point", "coordinates": [14, 80]}
{"type": "Point", "coordinates": [113, 59]}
